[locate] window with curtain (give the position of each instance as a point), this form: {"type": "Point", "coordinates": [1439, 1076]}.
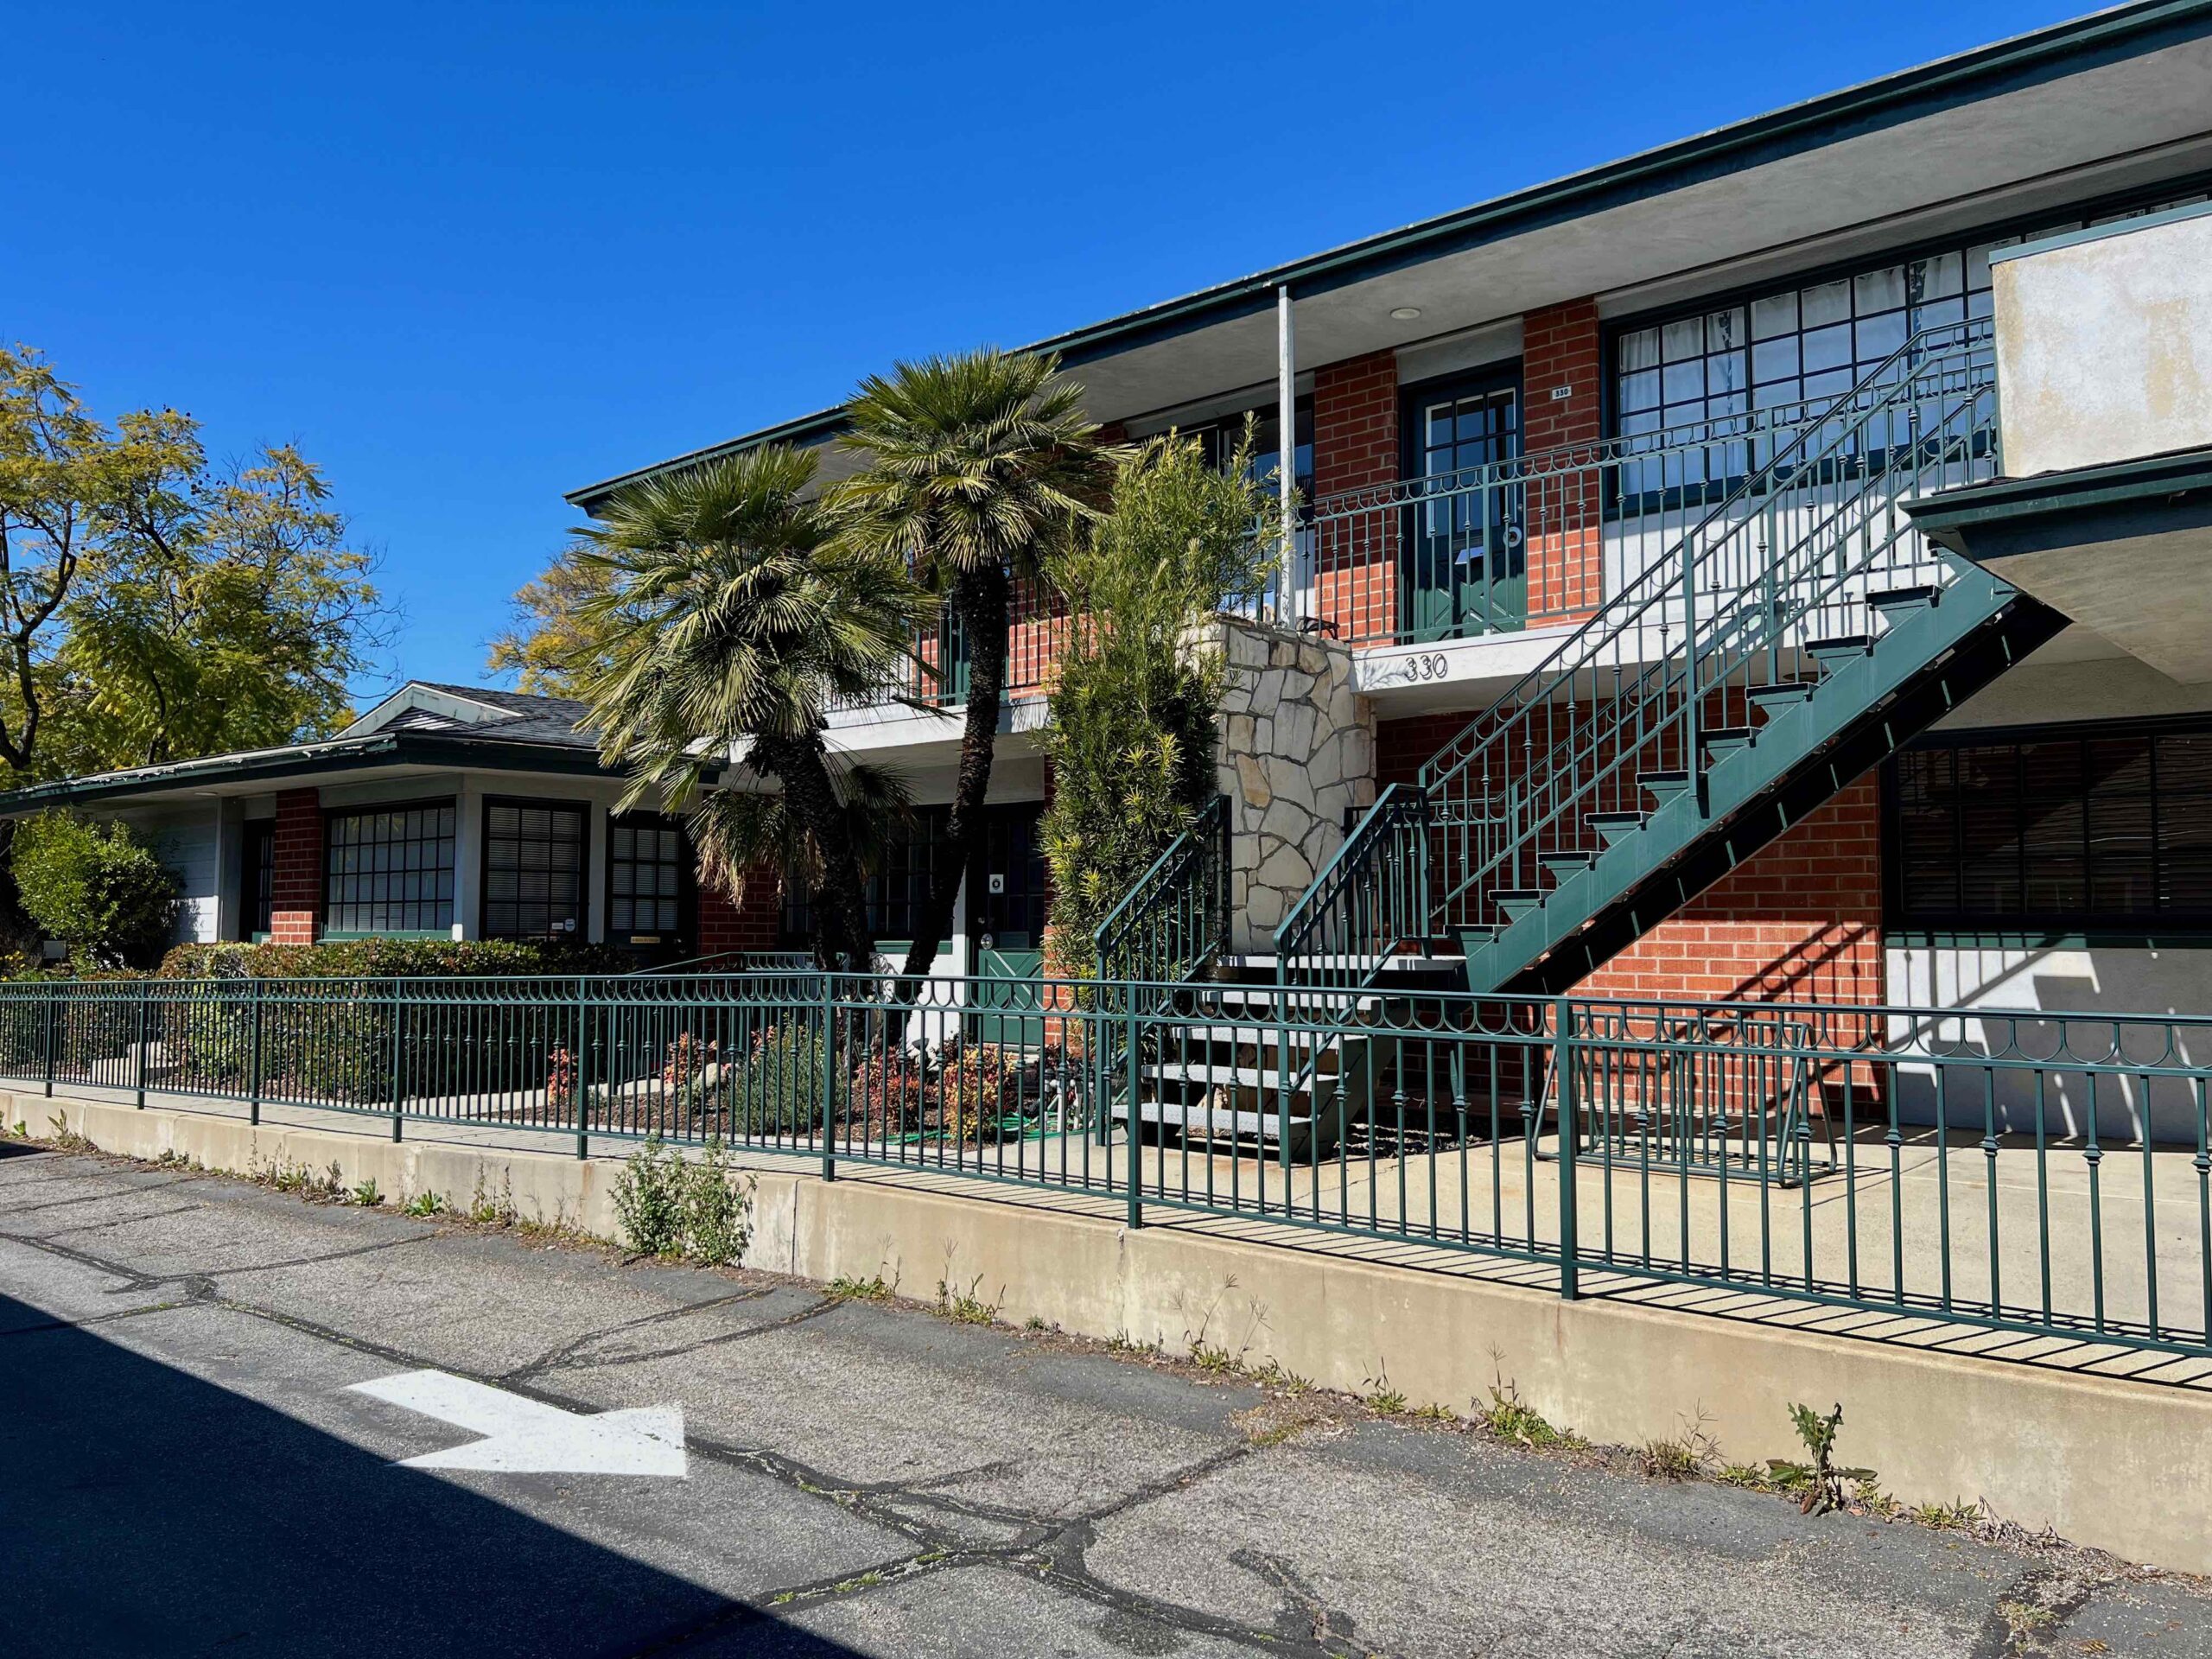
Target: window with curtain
{"type": "Point", "coordinates": [646, 859]}
{"type": "Point", "coordinates": [2077, 829]}
{"type": "Point", "coordinates": [533, 869]}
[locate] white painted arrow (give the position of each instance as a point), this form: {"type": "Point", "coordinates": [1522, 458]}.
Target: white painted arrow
{"type": "Point", "coordinates": [526, 1437]}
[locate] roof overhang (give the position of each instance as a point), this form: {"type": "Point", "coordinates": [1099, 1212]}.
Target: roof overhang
{"type": "Point", "coordinates": [339, 761]}
{"type": "Point", "coordinates": [2104, 102]}
{"type": "Point", "coordinates": [2124, 550]}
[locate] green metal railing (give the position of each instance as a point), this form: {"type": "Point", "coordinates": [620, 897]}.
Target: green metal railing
{"type": "Point", "coordinates": [1174, 919]}
{"type": "Point", "coordinates": [1795, 525]}
{"type": "Point", "coordinates": [1371, 900]}
{"type": "Point", "coordinates": [2039, 1172]}
{"type": "Point", "coordinates": [1786, 562]}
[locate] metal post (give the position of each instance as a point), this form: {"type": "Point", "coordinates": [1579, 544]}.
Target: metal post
{"type": "Point", "coordinates": [53, 1007]}
{"type": "Point", "coordinates": [829, 1075]}
{"type": "Point", "coordinates": [1136, 1165]}
{"type": "Point", "coordinates": [1691, 712]}
{"type": "Point", "coordinates": [579, 1073]}
{"type": "Point", "coordinates": [145, 1002]}
{"type": "Point", "coordinates": [1569, 1130]}
{"type": "Point", "coordinates": [253, 1056]}
{"type": "Point", "coordinates": [398, 1083]}
{"type": "Point", "coordinates": [1287, 441]}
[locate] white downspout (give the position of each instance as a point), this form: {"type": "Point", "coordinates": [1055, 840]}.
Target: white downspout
{"type": "Point", "coordinates": [1286, 578]}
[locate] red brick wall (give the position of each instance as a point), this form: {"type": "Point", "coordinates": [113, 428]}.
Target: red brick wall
{"type": "Point", "coordinates": [297, 890]}
{"type": "Point", "coordinates": [1800, 920]}
{"type": "Point", "coordinates": [748, 923]}
{"type": "Point", "coordinates": [1355, 445]}
{"type": "Point", "coordinates": [1559, 350]}
{"type": "Point", "coordinates": [1403, 747]}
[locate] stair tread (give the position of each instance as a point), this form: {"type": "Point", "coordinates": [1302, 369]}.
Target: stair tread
{"type": "Point", "coordinates": [1215, 1119]}
{"type": "Point", "coordinates": [1243, 1076]}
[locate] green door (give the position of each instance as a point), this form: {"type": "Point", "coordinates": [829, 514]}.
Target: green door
{"type": "Point", "coordinates": [1465, 568]}
{"type": "Point", "coordinates": [1006, 924]}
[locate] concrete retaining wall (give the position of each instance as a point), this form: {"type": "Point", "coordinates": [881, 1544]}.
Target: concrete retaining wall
{"type": "Point", "coordinates": [2122, 1465]}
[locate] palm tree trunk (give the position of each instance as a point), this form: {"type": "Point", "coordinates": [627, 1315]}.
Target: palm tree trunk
{"type": "Point", "coordinates": [983, 600]}
{"type": "Point", "coordinates": [843, 941]}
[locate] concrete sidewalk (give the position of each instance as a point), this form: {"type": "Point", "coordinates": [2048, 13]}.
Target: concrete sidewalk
{"type": "Point", "coordinates": [188, 1472]}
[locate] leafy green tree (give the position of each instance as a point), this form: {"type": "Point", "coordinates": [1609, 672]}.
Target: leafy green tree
{"type": "Point", "coordinates": [734, 622]}
{"type": "Point", "coordinates": [549, 649]}
{"type": "Point", "coordinates": [97, 887]}
{"type": "Point", "coordinates": [152, 607]}
{"type": "Point", "coordinates": [1133, 733]}
{"type": "Point", "coordinates": [973, 466]}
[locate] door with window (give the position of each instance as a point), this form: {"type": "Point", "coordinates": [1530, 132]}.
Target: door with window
{"type": "Point", "coordinates": [1466, 564]}
{"type": "Point", "coordinates": [257, 887]}
{"type": "Point", "coordinates": [534, 855]}
{"type": "Point", "coordinates": [1005, 919]}
{"type": "Point", "coordinates": [650, 897]}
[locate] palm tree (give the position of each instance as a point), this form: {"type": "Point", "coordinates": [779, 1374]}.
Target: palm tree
{"type": "Point", "coordinates": [732, 620]}
{"type": "Point", "coordinates": [973, 466]}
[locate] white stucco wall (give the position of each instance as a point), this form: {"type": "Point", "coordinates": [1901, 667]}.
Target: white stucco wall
{"type": "Point", "coordinates": [2104, 343]}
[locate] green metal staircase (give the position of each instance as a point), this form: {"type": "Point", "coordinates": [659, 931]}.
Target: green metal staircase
{"type": "Point", "coordinates": [1795, 634]}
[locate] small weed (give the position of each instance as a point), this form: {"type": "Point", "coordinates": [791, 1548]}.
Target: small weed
{"type": "Point", "coordinates": [1271, 1375]}
{"type": "Point", "coordinates": [425, 1203]}
{"type": "Point", "coordinates": [1033, 1323]}
{"type": "Point", "coordinates": [1216, 1362]}
{"type": "Point", "coordinates": [1955, 1516]}
{"type": "Point", "coordinates": [1748, 1475]}
{"type": "Point", "coordinates": [1868, 1499]}
{"type": "Point", "coordinates": [174, 1160]}
{"type": "Point", "coordinates": [964, 1306]}
{"type": "Point", "coordinates": [1685, 1456]}
{"type": "Point", "coordinates": [846, 1289]}
{"type": "Point", "coordinates": [317, 1187]}
{"type": "Point", "coordinates": [487, 1209]}
{"type": "Point", "coordinates": [66, 1139]}
{"type": "Point", "coordinates": [2025, 1618]}
{"type": "Point", "coordinates": [1818, 1485]}
{"type": "Point", "coordinates": [364, 1192]}
{"type": "Point", "coordinates": [1511, 1418]}
{"type": "Point", "coordinates": [1379, 1396]}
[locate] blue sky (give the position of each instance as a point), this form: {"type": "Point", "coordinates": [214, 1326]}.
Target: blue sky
{"type": "Point", "coordinates": [470, 257]}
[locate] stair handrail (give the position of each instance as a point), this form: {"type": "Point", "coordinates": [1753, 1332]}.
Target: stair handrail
{"type": "Point", "coordinates": [1680, 673]}
{"type": "Point", "coordinates": [1329, 932]}
{"type": "Point", "coordinates": [1653, 581]}
{"type": "Point", "coordinates": [1174, 919]}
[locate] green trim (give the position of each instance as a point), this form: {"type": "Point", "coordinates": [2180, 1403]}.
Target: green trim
{"type": "Point", "coordinates": [1999, 938]}
{"type": "Point", "coordinates": [2100, 232]}
{"type": "Point", "coordinates": [443, 751]}
{"type": "Point", "coordinates": [1985, 71]}
{"type": "Point", "coordinates": [2123, 498]}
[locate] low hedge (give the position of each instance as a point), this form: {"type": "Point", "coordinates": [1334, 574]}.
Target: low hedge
{"type": "Point", "coordinates": [393, 959]}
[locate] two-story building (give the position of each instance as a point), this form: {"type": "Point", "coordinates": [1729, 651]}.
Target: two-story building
{"type": "Point", "coordinates": [1711, 579]}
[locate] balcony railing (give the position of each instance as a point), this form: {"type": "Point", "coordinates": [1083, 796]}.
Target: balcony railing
{"type": "Point", "coordinates": [1537, 540]}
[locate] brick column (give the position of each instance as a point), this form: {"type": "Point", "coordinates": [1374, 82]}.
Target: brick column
{"type": "Point", "coordinates": [1562, 505]}
{"type": "Point", "coordinates": [1356, 447]}
{"type": "Point", "coordinates": [295, 907]}
{"type": "Point", "coordinates": [750, 922]}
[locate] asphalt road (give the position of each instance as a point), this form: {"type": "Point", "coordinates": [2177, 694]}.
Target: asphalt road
{"type": "Point", "coordinates": [187, 1467]}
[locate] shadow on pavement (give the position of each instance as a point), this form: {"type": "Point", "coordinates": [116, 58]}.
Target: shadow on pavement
{"type": "Point", "coordinates": [150, 1513]}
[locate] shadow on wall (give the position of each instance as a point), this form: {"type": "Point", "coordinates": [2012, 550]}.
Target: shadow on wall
{"type": "Point", "coordinates": [2143, 1007]}
{"type": "Point", "coordinates": [156, 1514]}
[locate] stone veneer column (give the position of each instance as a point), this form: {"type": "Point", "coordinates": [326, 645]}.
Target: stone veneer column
{"type": "Point", "coordinates": [1297, 759]}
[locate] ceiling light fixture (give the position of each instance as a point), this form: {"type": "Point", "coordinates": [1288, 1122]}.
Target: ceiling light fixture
{"type": "Point", "coordinates": [1405, 312]}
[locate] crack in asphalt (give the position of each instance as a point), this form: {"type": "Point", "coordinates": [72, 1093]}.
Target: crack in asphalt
{"type": "Point", "coordinates": [1052, 1549]}
{"type": "Point", "coordinates": [565, 1358]}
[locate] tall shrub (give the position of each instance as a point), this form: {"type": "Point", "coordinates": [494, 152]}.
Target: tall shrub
{"type": "Point", "coordinates": [97, 887]}
{"type": "Point", "coordinates": [1134, 701]}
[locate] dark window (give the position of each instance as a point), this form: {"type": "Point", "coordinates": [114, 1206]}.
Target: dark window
{"type": "Point", "coordinates": [646, 870]}
{"type": "Point", "coordinates": [533, 869]}
{"type": "Point", "coordinates": [258, 886]}
{"type": "Point", "coordinates": [898, 889]}
{"type": "Point", "coordinates": [388, 869]}
{"type": "Point", "coordinates": [1012, 854]}
{"type": "Point", "coordinates": [2086, 827]}
{"type": "Point", "coordinates": [1810, 340]}
{"type": "Point", "coordinates": [1219, 439]}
